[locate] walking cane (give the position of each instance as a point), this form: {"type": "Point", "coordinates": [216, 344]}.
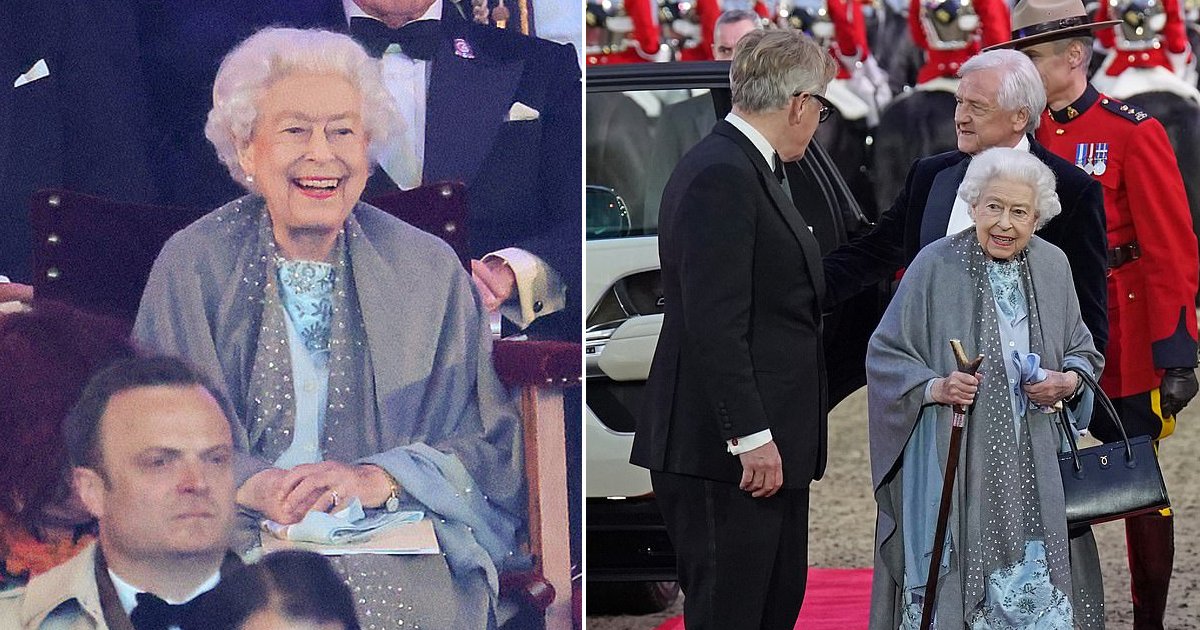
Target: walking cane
{"type": "Point", "coordinates": [939, 534]}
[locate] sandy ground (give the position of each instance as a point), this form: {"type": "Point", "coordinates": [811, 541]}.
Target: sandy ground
{"type": "Point", "coordinates": [841, 535]}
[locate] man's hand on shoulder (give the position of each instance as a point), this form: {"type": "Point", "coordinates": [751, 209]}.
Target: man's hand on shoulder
{"type": "Point", "coordinates": [762, 471]}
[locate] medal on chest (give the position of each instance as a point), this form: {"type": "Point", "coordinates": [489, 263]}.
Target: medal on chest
{"type": "Point", "coordinates": [1092, 157]}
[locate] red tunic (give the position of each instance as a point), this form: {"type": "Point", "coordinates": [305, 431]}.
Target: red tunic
{"type": "Point", "coordinates": [850, 33]}
{"type": "Point", "coordinates": [645, 34]}
{"type": "Point", "coordinates": [1151, 300]}
{"type": "Point", "coordinates": [708, 11]}
{"type": "Point", "coordinates": [1173, 39]}
{"type": "Point", "coordinates": [993, 29]}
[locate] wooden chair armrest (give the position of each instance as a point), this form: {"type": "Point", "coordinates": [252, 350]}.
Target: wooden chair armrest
{"type": "Point", "coordinates": [542, 369]}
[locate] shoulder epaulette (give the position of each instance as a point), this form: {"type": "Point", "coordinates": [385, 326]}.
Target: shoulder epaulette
{"type": "Point", "coordinates": [1130, 112]}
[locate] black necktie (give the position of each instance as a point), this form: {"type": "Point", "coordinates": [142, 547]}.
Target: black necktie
{"type": "Point", "coordinates": [418, 40]}
{"type": "Point", "coordinates": [778, 168]}
{"type": "Point", "coordinates": [152, 613]}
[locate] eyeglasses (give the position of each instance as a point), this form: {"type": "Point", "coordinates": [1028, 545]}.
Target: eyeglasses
{"type": "Point", "coordinates": [1016, 214]}
{"type": "Point", "coordinates": [826, 106]}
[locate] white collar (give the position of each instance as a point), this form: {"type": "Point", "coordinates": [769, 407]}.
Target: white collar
{"type": "Point", "coordinates": [128, 593]}
{"type": "Point", "coordinates": [760, 141]}
{"type": "Point", "coordinates": [1023, 145]}
{"type": "Point", "coordinates": [353, 10]}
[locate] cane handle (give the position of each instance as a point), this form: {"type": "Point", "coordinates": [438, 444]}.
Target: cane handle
{"type": "Point", "coordinates": [964, 365]}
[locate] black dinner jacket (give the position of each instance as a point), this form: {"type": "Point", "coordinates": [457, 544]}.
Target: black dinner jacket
{"type": "Point", "coordinates": [740, 348]}
{"type": "Point", "coordinates": [522, 176]}
{"type": "Point", "coordinates": [920, 213]}
{"type": "Point", "coordinates": [81, 127]}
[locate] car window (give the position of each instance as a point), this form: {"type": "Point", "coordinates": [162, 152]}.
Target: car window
{"type": "Point", "coordinates": [634, 140]}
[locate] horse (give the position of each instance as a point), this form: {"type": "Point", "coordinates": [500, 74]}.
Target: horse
{"type": "Point", "coordinates": [918, 124]}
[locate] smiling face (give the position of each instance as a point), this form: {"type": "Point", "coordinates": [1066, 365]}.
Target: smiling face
{"type": "Point", "coordinates": [979, 122]}
{"type": "Point", "coordinates": [164, 485]}
{"type": "Point", "coordinates": [307, 156]}
{"type": "Point", "coordinates": [1005, 217]}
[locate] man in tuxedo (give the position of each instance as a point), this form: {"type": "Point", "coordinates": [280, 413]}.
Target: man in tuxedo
{"type": "Point", "coordinates": [1000, 99]}
{"type": "Point", "coordinates": [495, 109]}
{"type": "Point", "coordinates": [152, 458]}
{"type": "Point", "coordinates": [72, 114]}
{"type": "Point", "coordinates": [734, 419]}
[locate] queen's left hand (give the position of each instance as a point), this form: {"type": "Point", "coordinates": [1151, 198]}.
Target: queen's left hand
{"type": "Point", "coordinates": [341, 482]}
{"type": "Point", "coordinates": [1057, 386]}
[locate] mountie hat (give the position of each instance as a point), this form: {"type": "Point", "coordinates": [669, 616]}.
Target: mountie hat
{"type": "Point", "coordinates": [1039, 21]}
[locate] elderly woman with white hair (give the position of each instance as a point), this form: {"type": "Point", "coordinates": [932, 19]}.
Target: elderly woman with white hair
{"type": "Point", "coordinates": [1008, 295]}
{"type": "Point", "coordinates": [352, 344]}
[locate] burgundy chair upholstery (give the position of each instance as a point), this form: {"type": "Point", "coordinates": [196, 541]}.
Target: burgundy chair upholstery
{"type": "Point", "coordinates": [96, 254]}
{"type": "Point", "coordinates": [440, 209]}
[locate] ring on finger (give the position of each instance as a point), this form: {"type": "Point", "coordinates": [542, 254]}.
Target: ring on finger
{"type": "Point", "coordinates": [336, 498]}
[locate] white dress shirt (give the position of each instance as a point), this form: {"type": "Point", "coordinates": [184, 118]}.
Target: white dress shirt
{"type": "Point", "coordinates": [128, 593]}
{"type": "Point", "coordinates": [406, 79]}
{"type": "Point", "coordinates": [539, 289]}
{"type": "Point", "coordinates": [960, 217]}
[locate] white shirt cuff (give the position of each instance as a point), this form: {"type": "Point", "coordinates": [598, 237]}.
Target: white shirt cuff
{"type": "Point", "coordinates": [748, 443]}
{"type": "Point", "coordinates": [540, 291]}
{"type": "Point", "coordinates": [928, 398]}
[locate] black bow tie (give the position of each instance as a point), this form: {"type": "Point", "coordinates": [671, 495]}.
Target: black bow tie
{"type": "Point", "coordinates": [418, 40]}
{"type": "Point", "coordinates": [152, 613]}
{"type": "Point", "coordinates": [778, 168]}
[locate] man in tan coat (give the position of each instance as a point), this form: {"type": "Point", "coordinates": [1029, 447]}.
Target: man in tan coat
{"type": "Point", "coordinates": [151, 452]}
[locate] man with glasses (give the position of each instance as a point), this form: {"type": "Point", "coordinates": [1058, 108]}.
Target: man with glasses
{"type": "Point", "coordinates": [999, 100]}
{"type": "Point", "coordinates": [734, 419]}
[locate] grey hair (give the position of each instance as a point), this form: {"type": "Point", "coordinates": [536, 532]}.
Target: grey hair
{"type": "Point", "coordinates": [770, 66]}
{"type": "Point", "coordinates": [1013, 165]}
{"type": "Point", "coordinates": [275, 53]}
{"type": "Point", "coordinates": [739, 15]}
{"type": "Point", "coordinates": [1020, 84]}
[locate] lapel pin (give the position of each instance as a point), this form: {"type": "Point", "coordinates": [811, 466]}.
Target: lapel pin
{"type": "Point", "coordinates": [463, 49]}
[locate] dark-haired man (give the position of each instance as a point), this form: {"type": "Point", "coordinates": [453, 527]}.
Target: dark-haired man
{"type": "Point", "coordinates": [152, 458]}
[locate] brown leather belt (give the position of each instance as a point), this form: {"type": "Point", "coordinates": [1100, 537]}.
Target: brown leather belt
{"type": "Point", "coordinates": [1126, 253]}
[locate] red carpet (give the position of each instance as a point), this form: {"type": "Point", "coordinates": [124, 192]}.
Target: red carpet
{"type": "Point", "coordinates": [835, 599]}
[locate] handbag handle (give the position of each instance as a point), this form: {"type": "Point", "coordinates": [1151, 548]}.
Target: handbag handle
{"type": "Point", "coordinates": [1109, 409]}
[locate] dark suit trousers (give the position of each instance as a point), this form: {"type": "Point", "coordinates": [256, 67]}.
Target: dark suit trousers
{"type": "Point", "coordinates": [743, 562]}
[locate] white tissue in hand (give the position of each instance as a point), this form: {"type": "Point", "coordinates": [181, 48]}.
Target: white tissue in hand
{"type": "Point", "coordinates": [350, 524]}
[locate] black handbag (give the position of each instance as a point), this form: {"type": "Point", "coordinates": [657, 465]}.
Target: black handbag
{"type": "Point", "coordinates": [1111, 481]}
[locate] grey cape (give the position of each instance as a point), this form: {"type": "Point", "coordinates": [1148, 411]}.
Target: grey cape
{"type": "Point", "coordinates": [430, 409]}
{"type": "Point", "coordinates": [937, 302]}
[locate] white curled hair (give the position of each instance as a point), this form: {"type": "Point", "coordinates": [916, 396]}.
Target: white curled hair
{"type": "Point", "coordinates": [275, 53]}
{"type": "Point", "coordinates": [1013, 165]}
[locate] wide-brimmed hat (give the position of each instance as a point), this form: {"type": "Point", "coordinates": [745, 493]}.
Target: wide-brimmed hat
{"type": "Point", "coordinates": [1038, 21]}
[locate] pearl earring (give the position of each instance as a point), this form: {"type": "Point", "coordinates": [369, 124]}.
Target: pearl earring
{"type": "Point", "coordinates": [249, 178]}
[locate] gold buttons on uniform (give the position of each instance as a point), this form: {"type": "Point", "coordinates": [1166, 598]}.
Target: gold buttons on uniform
{"type": "Point", "coordinates": [1060, 131]}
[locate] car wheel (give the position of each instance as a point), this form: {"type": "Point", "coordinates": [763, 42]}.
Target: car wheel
{"type": "Point", "coordinates": [630, 598]}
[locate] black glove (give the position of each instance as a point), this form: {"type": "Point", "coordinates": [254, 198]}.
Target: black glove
{"type": "Point", "coordinates": [1178, 388]}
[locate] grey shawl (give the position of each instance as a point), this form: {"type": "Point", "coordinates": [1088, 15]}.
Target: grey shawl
{"type": "Point", "coordinates": [936, 302]}
{"type": "Point", "coordinates": [432, 412]}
